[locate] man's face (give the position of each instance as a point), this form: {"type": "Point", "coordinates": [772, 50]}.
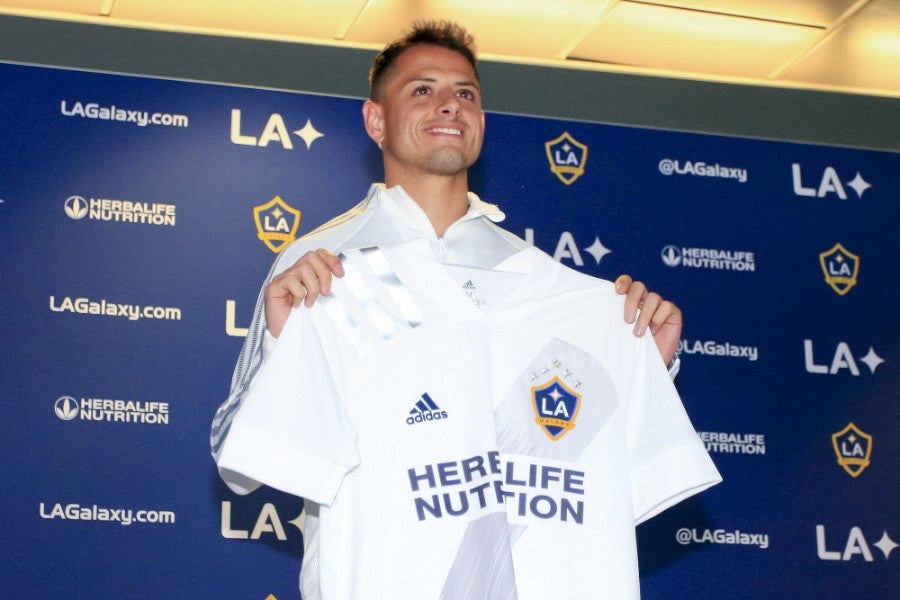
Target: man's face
{"type": "Point", "coordinates": [428, 116]}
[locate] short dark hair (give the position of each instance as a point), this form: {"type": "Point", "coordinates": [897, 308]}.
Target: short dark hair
{"type": "Point", "coordinates": [445, 34]}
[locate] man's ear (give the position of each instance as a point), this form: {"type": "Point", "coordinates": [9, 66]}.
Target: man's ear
{"type": "Point", "coordinates": [373, 120]}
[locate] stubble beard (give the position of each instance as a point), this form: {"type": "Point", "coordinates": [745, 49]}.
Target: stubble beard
{"type": "Point", "coordinates": [447, 161]}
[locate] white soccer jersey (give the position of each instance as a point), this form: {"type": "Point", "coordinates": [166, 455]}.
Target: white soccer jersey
{"type": "Point", "coordinates": [498, 439]}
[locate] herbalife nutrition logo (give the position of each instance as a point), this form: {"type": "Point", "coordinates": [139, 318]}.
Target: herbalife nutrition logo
{"type": "Point", "coordinates": [708, 258]}
{"type": "Point", "coordinates": [425, 410]}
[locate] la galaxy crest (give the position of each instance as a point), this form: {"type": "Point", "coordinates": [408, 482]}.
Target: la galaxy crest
{"type": "Point", "coordinates": [567, 157]}
{"type": "Point", "coordinates": [276, 223]}
{"type": "Point", "coordinates": [853, 448]}
{"type": "Point", "coordinates": [556, 407]}
{"type": "Point", "coordinates": [841, 268]}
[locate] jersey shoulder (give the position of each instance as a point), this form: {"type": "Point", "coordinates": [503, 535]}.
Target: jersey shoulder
{"type": "Point", "coordinates": [333, 235]}
{"type": "Point", "coordinates": [568, 280]}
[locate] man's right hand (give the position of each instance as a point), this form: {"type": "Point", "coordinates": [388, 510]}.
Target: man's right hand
{"type": "Point", "coordinates": [303, 282]}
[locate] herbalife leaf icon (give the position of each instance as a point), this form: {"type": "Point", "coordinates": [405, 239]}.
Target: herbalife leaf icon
{"type": "Point", "coordinates": [76, 207]}
{"type": "Point", "coordinates": [671, 256]}
{"type": "Point", "coordinates": [66, 408]}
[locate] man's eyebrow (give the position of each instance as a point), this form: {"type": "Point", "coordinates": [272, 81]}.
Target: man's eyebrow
{"type": "Point", "coordinates": [425, 79]}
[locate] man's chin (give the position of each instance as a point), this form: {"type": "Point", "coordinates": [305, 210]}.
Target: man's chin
{"type": "Point", "coordinates": [447, 162]}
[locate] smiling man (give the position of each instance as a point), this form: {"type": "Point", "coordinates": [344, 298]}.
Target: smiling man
{"type": "Point", "coordinates": [460, 412]}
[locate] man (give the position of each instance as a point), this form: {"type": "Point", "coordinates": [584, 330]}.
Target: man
{"type": "Point", "coordinates": [310, 424]}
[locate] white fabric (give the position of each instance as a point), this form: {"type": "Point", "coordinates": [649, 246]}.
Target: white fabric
{"type": "Point", "coordinates": [490, 497]}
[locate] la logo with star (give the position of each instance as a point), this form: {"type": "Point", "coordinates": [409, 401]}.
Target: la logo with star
{"type": "Point", "coordinates": [567, 157]}
{"type": "Point", "coordinates": [853, 448]}
{"type": "Point", "coordinates": [276, 223]}
{"type": "Point", "coordinates": [841, 268]}
{"type": "Point", "coordinates": [556, 402]}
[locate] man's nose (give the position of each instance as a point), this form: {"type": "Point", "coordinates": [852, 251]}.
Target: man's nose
{"type": "Point", "coordinates": [449, 103]}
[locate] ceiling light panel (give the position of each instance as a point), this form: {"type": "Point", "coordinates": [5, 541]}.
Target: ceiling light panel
{"type": "Point", "coordinates": [296, 18]}
{"type": "Point", "coordinates": [863, 53]}
{"type": "Point", "coordinates": [697, 42]}
{"type": "Point", "coordinates": [818, 13]}
{"type": "Point", "coordinates": [513, 27]}
{"type": "Point", "coordinates": [81, 7]}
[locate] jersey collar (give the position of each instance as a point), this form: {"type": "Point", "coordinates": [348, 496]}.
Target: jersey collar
{"type": "Point", "coordinates": [398, 197]}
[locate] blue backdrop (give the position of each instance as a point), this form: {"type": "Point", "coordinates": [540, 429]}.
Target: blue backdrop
{"type": "Point", "coordinates": [139, 216]}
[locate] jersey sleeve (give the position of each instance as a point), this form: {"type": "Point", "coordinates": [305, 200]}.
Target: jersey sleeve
{"type": "Point", "coordinates": [292, 432]}
{"type": "Point", "coordinates": [667, 458]}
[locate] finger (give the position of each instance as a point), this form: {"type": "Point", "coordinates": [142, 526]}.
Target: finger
{"type": "Point", "coordinates": [667, 312]}
{"type": "Point", "coordinates": [317, 273]}
{"type": "Point", "coordinates": [287, 287]}
{"type": "Point", "coordinates": [313, 272]}
{"type": "Point", "coordinates": [648, 308]}
{"type": "Point", "coordinates": [637, 293]}
{"type": "Point", "coordinates": [623, 283]}
{"type": "Point", "coordinates": [280, 289]}
{"type": "Point", "coordinates": [325, 265]}
{"type": "Point", "coordinates": [294, 286]}
{"type": "Point", "coordinates": [307, 277]}
{"type": "Point", "coordinates": [332, 261]}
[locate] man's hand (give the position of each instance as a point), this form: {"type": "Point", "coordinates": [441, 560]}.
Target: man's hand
{"type": "Point", "coordinates": [303, 281]}
{"type": "Point", "coordinates": [661, 316]}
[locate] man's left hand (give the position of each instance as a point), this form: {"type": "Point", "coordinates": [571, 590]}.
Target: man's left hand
{"type": "Point", "coordinates": [647, 309]}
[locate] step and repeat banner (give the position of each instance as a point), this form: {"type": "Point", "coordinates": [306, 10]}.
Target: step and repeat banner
{"type": "Point", "coordinates": [139, 216]}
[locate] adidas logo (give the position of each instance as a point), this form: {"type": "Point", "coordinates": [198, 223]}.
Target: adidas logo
{"type": "Point", "coordinates": [425, 410]}
{"type": "Point", "coordinates": [468, 285]}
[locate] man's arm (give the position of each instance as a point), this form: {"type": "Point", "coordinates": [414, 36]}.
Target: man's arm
{"type": "Point", "coordinates": [310, 277]}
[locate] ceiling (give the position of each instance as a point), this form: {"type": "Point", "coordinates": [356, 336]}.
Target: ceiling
{"type": "Point", "coordinates": [841, 45]}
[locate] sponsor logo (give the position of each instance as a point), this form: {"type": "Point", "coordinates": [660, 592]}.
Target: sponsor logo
{"type": "Point", "coordinates": [267, 521]}
{"type": "Point", "coordinates": [668, 166]}
{"type": "Point", "coordinates": [123, 516]}
{"type": "Point", "coordinates": [522, 489]}
{"type": "Point", "coordinates": [853, 448]}
{"type": "Point", "coordinates": [567, 157]}
{"type": "Point", "coordinates": [843, 359]}
{"type": "Point", "coordinates": [120, 211]}
{"type": "Point", "coordinates": [708, 258]}
{"type": "Point", "coordinates": [132, 312]}
{"type": "Point", "coordinates": [686, 536]}
{"type": "Point", "coordinates": [68, 408]}
{"type": "Point", "coordinates": [425, 410]}
{"type": "Point", "coordinates": [274, 130]}
{"type": "Point", "coordinates": [712, 348]}
{"type": "Point", "coordinates": [276, 223]}
{"type": "Point", "coordinates": [733, 443]}
{"type": "Point", "coordinates": [855, 546]}
{"type": "Point", "coordinates": [830, 183]}
{"type": "Point", "coordinates": [568, 249]}
{"type": "Point", "coordinates": [141, 118]}
{"type": "Point", "coordinates": [841, 268]}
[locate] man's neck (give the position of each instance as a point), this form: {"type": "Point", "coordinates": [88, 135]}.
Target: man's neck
{"type": "Point", "coordinates": [443, 199]}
